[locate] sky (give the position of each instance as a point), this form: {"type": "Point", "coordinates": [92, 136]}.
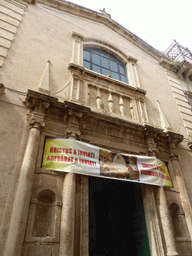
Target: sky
{"type": "Point", "coordinates": [156, 22]}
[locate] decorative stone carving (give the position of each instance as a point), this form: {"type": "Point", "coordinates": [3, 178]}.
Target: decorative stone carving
{"type": "Point", "coordinates": [37, 116]}
{"type": "Point", "coordinates": [73, 131]}
{"type": "Point", "coordinates": [98, 99]}
{"type": "Point", "coordinates": [164, 122]}
{"type": "Point", "coordinates": [122, 106]}
{"type": "Point", "coordinates": [151, 133]}
{"type": "Point", "coordinates": [101, 94]}
{"type": "Point", "coordinates": [174, 139]}
{"type": "Point", "coordinates": [44, 85]}
{"type": "Point", "coordinates": [110, 103]}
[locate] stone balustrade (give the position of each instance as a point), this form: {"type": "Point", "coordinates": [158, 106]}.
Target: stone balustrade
{"type": "Point", "coordinates": [106, 95]}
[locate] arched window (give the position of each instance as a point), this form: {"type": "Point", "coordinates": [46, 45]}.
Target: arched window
{"type": "Point", "coordinates": [104, 63]}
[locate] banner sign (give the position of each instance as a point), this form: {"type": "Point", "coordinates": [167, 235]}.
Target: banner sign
{"type": "Point", "coordinates": [68, 155]}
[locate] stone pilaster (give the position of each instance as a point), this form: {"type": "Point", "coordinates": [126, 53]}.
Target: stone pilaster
{"type": "Point", "coordinates": [20, 210]}
{"type": "Point", "coordinates": [152, 221]}
{"type": "Point", "coordinates": [165, 218]}
{"type": "Point", "coordinates": [175, 139]}
{"type": "Point", "coordinates": [166, 223]}
{"type": "Point", "coordinates": [69, 191]}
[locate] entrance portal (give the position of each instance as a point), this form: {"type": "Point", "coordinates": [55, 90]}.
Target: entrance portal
{"type": "Point", "coordinates": [116, 219]}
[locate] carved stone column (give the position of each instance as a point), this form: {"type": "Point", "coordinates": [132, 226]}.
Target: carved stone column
{"type": "Point", "coordinates": [69, 191]}
{"type": "Point", "coordinates": [23, 193]}
{"type": "Point", "coordinates": [152, 221]}
{"type": "Point", "coordinates": [174, 139]}
{"type": "Point", "coordinates": [165, 218]}
{"type": "Point", "coordinates": [166, 222]}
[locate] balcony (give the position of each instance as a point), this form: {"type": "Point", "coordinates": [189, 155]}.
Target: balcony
{"type": "Point", "coordinates": [106, 95]}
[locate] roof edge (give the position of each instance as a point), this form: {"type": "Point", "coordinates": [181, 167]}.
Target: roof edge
{"type": "Point", "coordinates": [84, 12]}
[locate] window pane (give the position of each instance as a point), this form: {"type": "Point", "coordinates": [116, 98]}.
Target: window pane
{"type": "Point", "coordinates": [113, 66]}
{"type": "Point", "coordinates": [95, 59]}
{"type": "Point", "coordinates": [105, 72]}
{"type": "Point", "coordinates": [86, 64]}
{"type": "Point", "coordinates": [124, 79]}
{"type": "Point", "coordinates": [104, 62]}
{"type": "Point", "coordinates": [96, 69]}
{"type": "Point", "coordinates": [86, 55]}
{"type": "Point", "coordinates": [115, 75]}
{"type": "Point", "coordinates": [122, 69]}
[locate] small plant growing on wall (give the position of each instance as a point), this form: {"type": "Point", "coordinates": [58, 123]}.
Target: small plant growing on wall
{"type": "Point", "coordinates": [177, 65]}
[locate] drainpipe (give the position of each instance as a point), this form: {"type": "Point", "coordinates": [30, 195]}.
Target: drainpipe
{"type": "Point", "coordinates": [186, 80]}
{"type": "Point", "coordinates": [186, 95]}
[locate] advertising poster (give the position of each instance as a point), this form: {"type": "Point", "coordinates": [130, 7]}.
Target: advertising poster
{"type": "Point", "coordinates": [67, 155]}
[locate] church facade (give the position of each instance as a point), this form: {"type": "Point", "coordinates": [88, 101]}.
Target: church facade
{"type": "Point", "coordinates": [72, 73]}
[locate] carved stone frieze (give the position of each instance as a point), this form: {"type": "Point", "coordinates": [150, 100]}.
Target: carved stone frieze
{"type": "Point", "coordinates": [80, 121]}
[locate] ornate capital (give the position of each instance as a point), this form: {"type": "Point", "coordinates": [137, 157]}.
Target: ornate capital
{"type": "Point", "coordinates": [73, 131]}
{"type": "Point", "coordinates": [174, 139]}
{"type": "Point", "coordinates": [37, 106]}
{"type": "Point", "coordinates": [37, 117]}
{"type": "Point", "coordinates": [36, 120]}
{"type": "Point", "coordinates": [152, 146]}
{"type": "Point", "coordinates": [151, 133]}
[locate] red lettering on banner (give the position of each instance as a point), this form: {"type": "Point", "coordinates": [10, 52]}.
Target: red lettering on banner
{"type": "Point", "coordinates": [87, 162]}
{"type": "Point", "coordinates": [85, 153]}
{"type": "Point", "coordinates": [60, 159]}
{"type": "Point", "coordinates": [152, 173]}
{"type": "Point", "coordinates": [152, 166]}
{"type": "Point", "coordinates": [61, 150]}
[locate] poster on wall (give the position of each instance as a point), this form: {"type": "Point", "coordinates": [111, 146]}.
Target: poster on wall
{"type": "Point", "coordinates": [68, 155]}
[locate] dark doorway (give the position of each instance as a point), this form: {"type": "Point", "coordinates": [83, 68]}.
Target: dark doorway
{"type": "Point", "coordinates": [116, 219]}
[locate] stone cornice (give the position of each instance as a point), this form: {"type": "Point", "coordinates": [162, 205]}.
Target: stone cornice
{"type": "Point", "coordinates": [31, 95]}
{"type": "Point", "coordinates": [167, 64]}
{"type": "Point", "coordinates": [184, 68]}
